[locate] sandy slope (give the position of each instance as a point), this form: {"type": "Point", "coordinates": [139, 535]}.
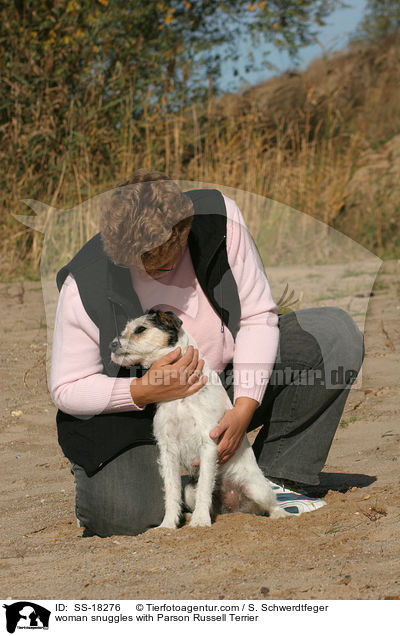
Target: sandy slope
{"type": "Point", "coordinates": [348, 549]}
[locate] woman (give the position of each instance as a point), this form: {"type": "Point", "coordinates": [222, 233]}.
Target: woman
{"type": "Point", "coordinates": [190, 253]}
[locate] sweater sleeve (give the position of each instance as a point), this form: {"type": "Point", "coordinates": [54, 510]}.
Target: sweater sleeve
{"type": "Point", "coordinates": [78, 385]}
{"type": "Point", "coordinates": [257, 340]}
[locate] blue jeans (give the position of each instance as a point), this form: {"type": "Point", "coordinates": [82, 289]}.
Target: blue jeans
{"type": "Point", "coordinates": [320, 354]}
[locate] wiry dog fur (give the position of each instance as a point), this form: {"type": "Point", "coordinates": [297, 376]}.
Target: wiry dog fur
{"type": "Point", "coordinates": [182, 429]}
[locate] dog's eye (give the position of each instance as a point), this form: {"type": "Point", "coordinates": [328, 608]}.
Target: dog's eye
{"type": "Point", "coordinates": [140, 329]}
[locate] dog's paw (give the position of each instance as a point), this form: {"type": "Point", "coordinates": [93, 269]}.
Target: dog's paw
{"type": "Point", "coordinates": [200, 521]}
{"type": "Point", "coordinates": [278, 513]}
{"type": "Point", "coordinates": [168, 523]}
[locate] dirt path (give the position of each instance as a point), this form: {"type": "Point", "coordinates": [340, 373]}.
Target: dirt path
{"type": "Point", "coordinates": [349, 549]}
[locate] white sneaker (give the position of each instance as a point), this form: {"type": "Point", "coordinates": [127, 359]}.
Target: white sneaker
{"type": "Point", "coordinates": [293, 502]}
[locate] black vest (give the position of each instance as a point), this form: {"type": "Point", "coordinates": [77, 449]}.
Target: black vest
{"type": "Point", "coordinates": [109, 300]}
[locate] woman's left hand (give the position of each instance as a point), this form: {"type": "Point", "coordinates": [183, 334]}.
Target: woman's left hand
{"type": "Point", "coordinates": [232, 428]}
{"type": "Point", "coordinates": [229, 433]}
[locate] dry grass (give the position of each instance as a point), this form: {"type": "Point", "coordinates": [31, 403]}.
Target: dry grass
{"type": "Point", "coordinates": [298, 139]}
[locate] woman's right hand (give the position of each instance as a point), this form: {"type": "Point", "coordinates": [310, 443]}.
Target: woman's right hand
{"type": "Point", "coordinates": [170, 378]}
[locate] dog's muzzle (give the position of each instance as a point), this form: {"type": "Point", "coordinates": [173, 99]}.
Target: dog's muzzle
{"type": "Point", "coordinates": [115, 346]}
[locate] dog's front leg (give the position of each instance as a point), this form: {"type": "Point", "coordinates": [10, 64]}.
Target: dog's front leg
{"type": "Point", "coordinates": [170, 471]}
{"type": "Point", "coordinates": [205, 485]}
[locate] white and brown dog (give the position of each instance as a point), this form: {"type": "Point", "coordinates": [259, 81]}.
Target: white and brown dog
{"type": "Point", "coordinates": [182, 427]}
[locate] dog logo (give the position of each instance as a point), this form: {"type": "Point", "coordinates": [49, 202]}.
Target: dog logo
{"type": "Point", "coordinates": [26, 615]}
{"type": "Point", "coordinates": [287, 237]}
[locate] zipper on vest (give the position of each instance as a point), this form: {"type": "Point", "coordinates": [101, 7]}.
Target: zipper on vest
{"type": "Point", "coordinates": [216, 249]}
{"type": "Point", "coordinates": [116, 326]}
{"type": "Point", "coordinates": [222, 300]}
{"type": "Point", "coordinates": [220, 278]}
{"type": "Point", "coordinates": [113, 303]}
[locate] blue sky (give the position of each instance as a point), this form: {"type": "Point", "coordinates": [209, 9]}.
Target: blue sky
{"type": "Point", "coordinates": [332, 37]}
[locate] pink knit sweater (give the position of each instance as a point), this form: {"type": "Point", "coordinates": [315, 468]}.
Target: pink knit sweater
{"type": "Point", "coordinates": [78, 385]}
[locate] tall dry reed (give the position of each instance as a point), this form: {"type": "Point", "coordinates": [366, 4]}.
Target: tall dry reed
{"type": "Point", "coordinates": [298, 139]}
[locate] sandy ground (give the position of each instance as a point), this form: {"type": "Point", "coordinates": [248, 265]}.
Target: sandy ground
{"type": "Point", "coordinates": [349, 549]}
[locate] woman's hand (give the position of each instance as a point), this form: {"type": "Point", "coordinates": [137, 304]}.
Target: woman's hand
{"type": "Point", "coordinates": [170, 378]}
{"type": "Point", "coordinates": [232, 428]}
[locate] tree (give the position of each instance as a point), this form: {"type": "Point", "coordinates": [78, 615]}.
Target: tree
{"type": "Point", "coordinates": [382, 17]}
{"type": "Point", "coordinates": [165, 44]}
{"type": "Point", "coordinates": [75, 71]}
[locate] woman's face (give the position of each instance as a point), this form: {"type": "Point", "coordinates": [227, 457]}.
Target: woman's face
{"type": "Point", "coordinates": [159, 269]}
{"type": "Point", "coordinates": [159, 266]}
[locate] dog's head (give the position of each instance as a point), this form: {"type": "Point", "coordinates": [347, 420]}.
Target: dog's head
{"type": "Point", "coordinates": [145, 339]}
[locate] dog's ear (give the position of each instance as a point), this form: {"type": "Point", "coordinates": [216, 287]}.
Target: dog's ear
{"type": "Point", "coordinates": [166, 319]}
{"type": "Point", "coordinates": [175, 320]}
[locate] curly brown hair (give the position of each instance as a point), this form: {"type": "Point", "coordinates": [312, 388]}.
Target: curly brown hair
{"type": "Point", "coordinates": [146, 218]}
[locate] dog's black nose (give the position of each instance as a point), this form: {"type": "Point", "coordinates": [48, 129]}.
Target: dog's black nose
{"type": "Point", "coordinates": [115, 344]}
